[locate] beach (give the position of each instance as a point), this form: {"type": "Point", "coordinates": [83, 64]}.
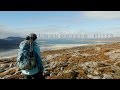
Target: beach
{"type": "Point", "coordinates": [13, 53]}
{"type": "Point", "coordinates": [98, 61]}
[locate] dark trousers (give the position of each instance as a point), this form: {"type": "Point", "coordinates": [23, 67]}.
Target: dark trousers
{"type": "Point", "coordinates": [38, 75]}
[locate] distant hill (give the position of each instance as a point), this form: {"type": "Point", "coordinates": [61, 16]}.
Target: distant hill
{"type": "Point", "coordinates": [10, 43]}
{"type": "Point", "coordinates": [14, 38]}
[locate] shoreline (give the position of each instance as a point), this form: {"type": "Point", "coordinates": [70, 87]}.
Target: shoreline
{"type": "Point", "coordinates": [93, 61]}
{"type": "Point", "coordinates": [69, 46]}
{"type": "Point", "coordinates": [54, 47]}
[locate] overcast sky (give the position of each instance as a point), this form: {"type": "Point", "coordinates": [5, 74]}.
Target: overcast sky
{"type": "Point", "coordinates": [21, 23]}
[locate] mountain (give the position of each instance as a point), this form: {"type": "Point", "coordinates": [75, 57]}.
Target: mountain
{"type": "Point", "coordinates": [10, 43]}
{"type": "Point", "coordinates": [14, 38]}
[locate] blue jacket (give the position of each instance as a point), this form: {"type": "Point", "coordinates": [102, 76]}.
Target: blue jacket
{"type": "Point", "coordinates": [39, 66]}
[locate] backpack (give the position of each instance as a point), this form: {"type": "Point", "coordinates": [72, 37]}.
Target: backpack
{"type": "Point", "coordinates": [26, 59]}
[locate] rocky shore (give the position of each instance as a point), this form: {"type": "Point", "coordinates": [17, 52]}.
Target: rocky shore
{"type": "Point", "coordinates": [83, 62]}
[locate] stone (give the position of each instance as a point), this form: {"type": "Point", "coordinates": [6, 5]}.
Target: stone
{"type": "Point", "coordinates": [96, 77]}
{"type": "Point", "coordinates": [59, 74]}
{"type": "Point", "coordinates": [2, 70]}
{"type": "Point", "coordinates": [53, 74]}
{"type": "Point", "coordinates": [46, 73]}
{"type": "Point", "coordinates": [88, 65]}
{"type": "Point", "coordinates": [107, 76]}
{"type": "Point", "coordinates": [102, 64]}
{"type": "Point", "coordinates": [93, 77]}
{"type": "Point", "coordinates": [117, 64]}
{"type": "Point", "coordinates": [89, 76]}
{"type": "Point", "coordinates": [86, 55]}
{"type": "Point", "coordinates": [46, 66]}
{"type": "Point", "coordinates": [53, 64]}
{"type": "Point", "coordinates": [90, 70]}
{"type": "Point", "coordinates": [49, 57]}
{"type": "Point", "coordinates": [61, 68]}
{"type": "Point", "coordinates": [116, 76]}
{"type": "Point", "coordinates": [11, 65]}
{"type": "Point", "coordinates": [97, 48]}
{"type": "Point", "coordinates": [95, 72]}
{"type": "Point", "coordinates": [4, 65]}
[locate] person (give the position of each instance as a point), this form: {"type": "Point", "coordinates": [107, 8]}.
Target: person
{"type": "Point", "coordinates": [37, 71]}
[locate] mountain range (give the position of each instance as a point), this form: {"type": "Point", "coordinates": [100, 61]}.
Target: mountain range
{"type": "Point", "coordinates": [10, 43]}
{"type": "Point", "coordinates": [13, 42]}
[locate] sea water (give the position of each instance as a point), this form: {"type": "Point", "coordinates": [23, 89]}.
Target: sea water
{"type": "Point", "coordinates": [52, 44]}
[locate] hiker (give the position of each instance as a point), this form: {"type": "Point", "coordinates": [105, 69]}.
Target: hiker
{"type": "Point", "coordinates": [29, 54]}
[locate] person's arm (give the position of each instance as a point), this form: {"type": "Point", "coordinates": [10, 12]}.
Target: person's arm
{"type": "Point", "coordinates": [22, 47]}
{"type": "Point", "coordinates": [22, 44]}
{"type": "Point", "coordinates": [38, 58]}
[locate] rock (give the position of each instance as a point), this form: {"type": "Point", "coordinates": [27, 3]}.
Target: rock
{"type": "Point", "coordinates": [4, 65]}
{"type": "Point", "coordinates": [95, 64]}
{"type": "Point", "coordinates": [96, 77]}
{"type": "Point", "coordinates": [88, 65]}
{"type": "Point", "coordinates": [7, 76]}
{"type": "Point", "coordinates": [59, 74]}
{"type": "Point", "coordinates": [78, 78]}
{"type": "Point", "coordinates": [2, 70]}
{"type": "Point", "coordinates": [53, 64]}
{"type": "Point", "coordinates": [75, 54]}
{"type": "Point", "coordinates": [115, 76]}
{"type": "Point", "coordinates": [46, 69]}
{"type": "Point", "coordinates": [61, 68]}
{"type": "Point", "coordinates": [11, 65]}
{"type": "Point", "coordinates": [46, 73]}
{"type": "Point", "coordinates": [64, 64]}
{"type": "Point", "coordinates": [117, 51]}
{"type": "Point", "coordinates": [67, 71]}
{"type": "Point", "coordinates": [117, 72]}
{"type": "Point", "coordinates": [90, 70]}
{"type": "Point", "coordinates": [46, 66]}
{"type": "Point", "coordinates": [107, 76]}
{"type": "Point", "coordinates": [67, 74]}
{"type": "Point", "coordinates": [86, 55]}
{"type": "Point", "coordinates": [110, 53]}
{"type": "Point", "coordinates": [9, 71]}
{"type": "Point", "coordinates": [93, 77]}
{"type": "Point", "coordinates": [95, 72]}
{"type": "Point", "coordinates": [102, 64]}
{"type": "Point", "coordinates": [97, 48]}
{"type": "Point", "coordinates": [49, 57]}
{"type": "Point", "coordinates": [53, 74]}
{"type": "Point", "coordinates": [117, 64]}
{"type": "Point", "coordinates": [89, 75]}
{"type": "Point", "coordinates": [115, 56]}
{"type": "Point", "coordinates": [105, 70]}
{"type": "Point", "coordinates": [74, 73]}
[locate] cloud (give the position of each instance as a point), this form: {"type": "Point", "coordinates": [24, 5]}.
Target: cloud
{"type": "Point", "coordinates": [109, 15]}
{"type": "Point", "coordinates": [6, 32]}
{"type": "Point", "coordinates": [47, 29]}
{"type": "Point", "coordinates": [22, 32]}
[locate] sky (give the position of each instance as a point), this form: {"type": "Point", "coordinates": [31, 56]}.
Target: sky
{"type": "Point", "coordinates": [22, 23]}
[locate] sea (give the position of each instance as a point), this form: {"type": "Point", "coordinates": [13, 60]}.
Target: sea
{"type": "Point", "coordinates": [49, 44]}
